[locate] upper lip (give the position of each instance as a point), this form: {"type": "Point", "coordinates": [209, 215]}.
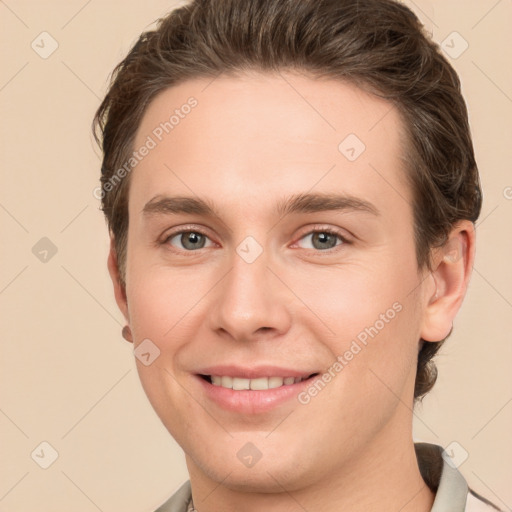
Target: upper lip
{"type": "Point", "coordinates": [254, 372]}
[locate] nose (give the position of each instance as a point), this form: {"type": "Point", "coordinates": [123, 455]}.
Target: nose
{"type": "Point", "coordinates": [251, 302]}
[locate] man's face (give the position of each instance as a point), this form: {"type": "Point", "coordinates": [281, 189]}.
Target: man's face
{"type": "Point", "coordinates": [264, 286]}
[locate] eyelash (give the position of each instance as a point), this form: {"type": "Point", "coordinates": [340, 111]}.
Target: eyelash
{"type": "Point", "coordinates": [316, 229]}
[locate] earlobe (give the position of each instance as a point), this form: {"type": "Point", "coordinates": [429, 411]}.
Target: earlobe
{"type": "Point", "coordinates": [127, 333]}
{"type": "Point", "coordinates": [452, 266]}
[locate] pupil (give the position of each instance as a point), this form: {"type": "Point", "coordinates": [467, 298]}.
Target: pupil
{"type": "Point", "coordinates": [324, 238]}
{"type": "Point", "coordinates": [191, 239]}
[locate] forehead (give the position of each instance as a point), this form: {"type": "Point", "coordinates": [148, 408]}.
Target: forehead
{"type": "Point", "coordinates": [260, 134]}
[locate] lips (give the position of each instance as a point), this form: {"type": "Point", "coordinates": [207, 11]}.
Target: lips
{"type": "Point", "coordinates": [252, 390]}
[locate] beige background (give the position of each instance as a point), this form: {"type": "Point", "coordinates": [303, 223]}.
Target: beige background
{"type": "Point", "coordinates": [69, 379]}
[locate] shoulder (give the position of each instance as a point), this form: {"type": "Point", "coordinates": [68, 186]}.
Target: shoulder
{"type": "Point", "coordinates": [179, 501]}
{"type": "Point", "coordinates": [449, 486]}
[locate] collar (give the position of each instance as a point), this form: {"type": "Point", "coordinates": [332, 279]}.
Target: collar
{"type": "Point", "coordinates": [449, 486]}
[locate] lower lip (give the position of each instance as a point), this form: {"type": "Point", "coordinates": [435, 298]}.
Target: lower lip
{"type": "Point", "coordinates": [253, 401]}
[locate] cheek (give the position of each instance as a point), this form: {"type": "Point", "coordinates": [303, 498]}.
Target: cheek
{"type": "Point", "coordinates": [373, 328]}
{"type": "Point", "coordinates": [160, 300]}
{"type": "Point", "coordinates": [352, 298]}
{"type": "Point", "coordinates": [161, 307]}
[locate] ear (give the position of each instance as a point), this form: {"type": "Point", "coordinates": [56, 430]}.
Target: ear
{"type": "Point", "coordinates": [119, 289]}
{"type": "Point", "coordinates": [449, 280]}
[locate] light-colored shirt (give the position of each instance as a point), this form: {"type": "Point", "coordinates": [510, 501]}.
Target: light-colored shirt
{"type": "Point", "coordinates": [451, 490]}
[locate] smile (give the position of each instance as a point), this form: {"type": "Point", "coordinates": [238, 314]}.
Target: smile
{"type": "Point", "coordinates": [252, 391]}
{"type": "Point", "coordinates": [258, 384]}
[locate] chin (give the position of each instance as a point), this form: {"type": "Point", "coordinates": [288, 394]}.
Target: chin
{"type": "Point", "coordinates": [269, 474]}
{"type": "Point", "coordinates": [268, 478]}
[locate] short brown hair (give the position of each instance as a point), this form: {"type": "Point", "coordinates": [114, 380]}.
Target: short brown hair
{"type": "Point", "coordinates": [378, 45]}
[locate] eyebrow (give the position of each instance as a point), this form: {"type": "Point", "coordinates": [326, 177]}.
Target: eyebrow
{"type": "Point", "coordinates": [313, 203]}
{"type": "Point", "coordinates": [299, 203]}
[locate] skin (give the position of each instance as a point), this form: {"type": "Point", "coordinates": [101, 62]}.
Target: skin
{"type": "Point", "coordinates": [252, 141]}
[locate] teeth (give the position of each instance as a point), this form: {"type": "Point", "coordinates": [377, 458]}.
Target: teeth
{"type": "Point", "coordinates": [259, 384]}
{"type": "Point", "coordinates": [275, 382]}
{"type": "Point", "coordinates": [226, 382]}
{"type": "Point", "coordinates": [239, 383]}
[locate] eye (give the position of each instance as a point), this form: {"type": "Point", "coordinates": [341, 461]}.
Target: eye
{"type": "Point", "coordinates": [189, 240]}
{"type": "Point", "coordinates": [322, 239]}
